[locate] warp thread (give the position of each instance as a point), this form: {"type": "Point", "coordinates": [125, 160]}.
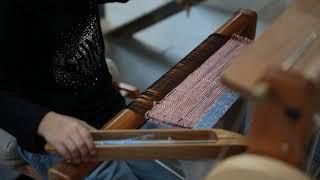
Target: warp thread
{"type": "Point", "coordinates": [217, 110]}
{"type": "Point", "coordinates": [191, 99]}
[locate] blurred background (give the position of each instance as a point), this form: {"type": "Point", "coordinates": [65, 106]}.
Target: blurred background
{"type": "Point", "coordinates": [154, 50]}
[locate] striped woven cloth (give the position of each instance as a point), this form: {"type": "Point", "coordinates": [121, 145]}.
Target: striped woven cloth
{"type": "Point", "coordinates": [217, 110]}
{"type": "Point", "coordinates": [190, 100]}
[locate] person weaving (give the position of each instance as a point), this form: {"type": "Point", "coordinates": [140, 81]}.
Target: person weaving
{"type": "Point", "coordinates": [55, 85]}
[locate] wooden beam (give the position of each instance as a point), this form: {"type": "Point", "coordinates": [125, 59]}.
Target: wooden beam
{"type": "Point", "coordinates": [165, 144]}
{"type": "Point", "coordinates": [151, 18]}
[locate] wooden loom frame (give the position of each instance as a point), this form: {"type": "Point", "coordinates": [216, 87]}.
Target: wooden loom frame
{"type": "Point", "coordinates": [242, 23]}
{"type": "Point", "coordinates": [171, 8]}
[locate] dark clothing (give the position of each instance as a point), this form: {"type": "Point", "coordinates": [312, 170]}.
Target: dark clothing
{"type": "Point", "coordinates": [52, 59]}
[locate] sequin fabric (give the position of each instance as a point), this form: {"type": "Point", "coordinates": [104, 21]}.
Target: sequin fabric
{"type": "Point", "coordinates": [80, 61]}
{"type": "Point", "coordinates": [190, 100]}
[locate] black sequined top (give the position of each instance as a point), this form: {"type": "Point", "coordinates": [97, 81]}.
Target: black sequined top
{"type": "Point", "coordinates": [52, 59]}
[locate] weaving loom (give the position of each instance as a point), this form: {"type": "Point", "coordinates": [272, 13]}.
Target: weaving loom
{"type": "Point", "coordinates": [243, 23]}
{"type": "Point", "coordinates": [284, 87]}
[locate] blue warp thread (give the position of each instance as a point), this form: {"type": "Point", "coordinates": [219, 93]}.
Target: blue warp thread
{"type": "Point", "coordinates": [217, 110]}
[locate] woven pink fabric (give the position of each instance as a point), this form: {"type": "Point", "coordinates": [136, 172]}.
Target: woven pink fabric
{"type": "Point", "coordinates": [185, 104]}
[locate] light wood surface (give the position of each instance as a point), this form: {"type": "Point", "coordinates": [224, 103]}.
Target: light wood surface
{"type": "Point", "coordinates": [237, 25]}
{"type": "Point", "coordinates": [281, 72]}
{"type": "Point", "coordinates": [281, 40]}
{"type": "Point", "coordinates": [158, 134]}
{"type": "Point", "coordinates": [253, 167]}
{"type": "Point", "coordinates": [282, 122]}
{"type": "Point", "coordinates": [285, 59]}
{"type": "Point", "coordinates": [209, 146]}
{"type": "Point", "coordinates": [125, 119]}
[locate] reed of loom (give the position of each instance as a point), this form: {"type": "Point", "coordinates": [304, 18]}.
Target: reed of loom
{"type": "Point", "coordinates": [243, 23]}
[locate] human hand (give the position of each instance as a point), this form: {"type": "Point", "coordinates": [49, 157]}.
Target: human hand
{"type": "Point", "coordinates": [69, 136]}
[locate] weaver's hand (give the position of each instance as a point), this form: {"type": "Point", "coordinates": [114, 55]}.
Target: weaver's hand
{"type": "Point", "coordinates": [69, 136]}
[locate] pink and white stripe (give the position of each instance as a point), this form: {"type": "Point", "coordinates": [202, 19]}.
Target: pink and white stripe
{"type": "Point", "coordinates": [185, 104]}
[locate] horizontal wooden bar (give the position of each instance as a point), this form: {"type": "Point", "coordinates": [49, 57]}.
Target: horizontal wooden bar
{"type": "Point", "coordinates": [150, 18]}
{"type": "Point", "coordinates": [244, 24]}
{"type": "Point", "coordinates": [153, 134]}
{"type": "Point", "coordinates": [156, 134]}
{"type": "Point", "coordinates": [180, 144]}
{"type": "Point", "coordinates": [175, 151]}
{"type": "Point", "coordinates": [125, 119]}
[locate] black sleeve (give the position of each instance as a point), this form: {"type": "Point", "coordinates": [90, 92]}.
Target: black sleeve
{"type": "Point", "coordinates": [21, 119]}
{"type": "Point", "coordinates": [18, 116]}
{"type": "Point", "coordinates": [111, 1]}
